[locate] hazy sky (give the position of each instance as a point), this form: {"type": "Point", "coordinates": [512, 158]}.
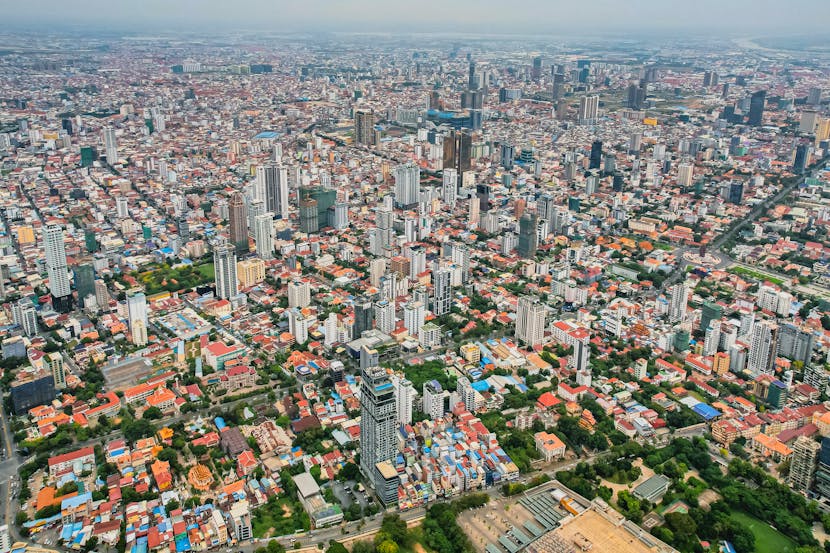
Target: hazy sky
{"type": "Point", "coordinates": [508, 16]}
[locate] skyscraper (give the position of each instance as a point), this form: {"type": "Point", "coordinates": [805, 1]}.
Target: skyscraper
{"type": "Point", "coordinates": [53, 245]}
{"type": "Point", "coordinates": [84, 276]}
{"type": "Point", "coordinates": [449, 190]}
{"type": "Point", "coordinates": [413, 318]}
{"type": "Point", "coordinates": [803, 466]}
{"type": "Point", "coordinates": [378, 418]}
{"type": "Point", "coordinates": [24, 314]}
{"type": "Point", "coordinates": [457, 154]}
{"type": "Point", "coordinates": [588, 110]}
{"type": "Point", "coordinates": [756, 108]}
{"type": "Point", "coordinates": [763, 347]}
{"type": "Point", "coordinates": [264, 236]}
{"type": "Point", "coordinates": [595, 161]}
{"type": "Point", "coordinates": [736, 192]}
{"type": "Point", "coordinates": [443, 292]}
{"type": "Point", "coordinates": [801, 158]}
{"type": "Point", "coordinates": [238, 222]}
{"type": "Point", "coordinates": [299, 294]}
{"type": "Point", "coordinates": [708, 313]}
{"type": "Point", "coordinates": [110, 146]}
{"type": "Point", "coordinates": [272, 186]}
{"type": "Point", "coordinates": [530, 320]}
{"type": "Point", "coordinates": [309, 216]}
{"type": "Point", "coordinates": [407, 184]}
{"type": "Point", "coordinates": [528, 240]}
{"type": "Point", "coordinates": [54, 361]}
{"type": "Point", "coordinates": [224, 264]}
{"type": "Point", "coordinates": [364, 316]}
{"type": "Point", "coordinates": [364, 127]}
{"type": "Point", "coordinates": [404, 399]}
{"type": "Point", "coordinates": [796, 343]}
{"type": "Point", "coordinates": [137, 311]}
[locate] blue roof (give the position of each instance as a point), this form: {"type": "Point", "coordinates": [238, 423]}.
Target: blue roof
{"type": "Point", "coordinates": [706, 411]}
{"type": "Point", "coordinates": [480, 386]}
{"type": "Point", "coordinates": [267, 134]}
{"type": "Point", "coordinates": [72, 502]}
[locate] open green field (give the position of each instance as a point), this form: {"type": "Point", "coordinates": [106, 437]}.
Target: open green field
{"type": "Point", "coordinates": [742, 271]}
{"type": "Point", "coordinates": [767, 539]}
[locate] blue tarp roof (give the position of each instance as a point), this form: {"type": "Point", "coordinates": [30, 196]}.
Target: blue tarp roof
{"type": "Point", "coordinates": [706, 411]}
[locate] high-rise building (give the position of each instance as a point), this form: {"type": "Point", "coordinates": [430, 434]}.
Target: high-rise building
{"type": "Point", "coordinates": [413, 318]}
{"type": "Point", "coordinates": [449, 189]}
{"type": "Point", "coordinates": [309, 216]}
{"type": "Point", "coordinates": [678, 299]}
{"type": "Point", "coordinates": [299, 294]}
{"type": "Point", "coordinates": [364, 127]}
{"type": "Point", "coordinates": [84, 277]}
{"type": "Point", "coordinates": [801, 159]}
{"type": "Point", "coordinates": [137, 311]}
{"type": "Point", "coordinates": [763, 347]}
{"type": "Point", "coordinates": [443, 292]}
{"type": "Point", "coordinates": [271, 186]}
{"type": "Point", "coordinates": [407, 184]}
{"type": "Point", "coordinates": [588, 110]}
{"type": "Point", "coordinates": [528, 239]}
{"type": "Point", "coordinates": [54, 361]}
{"type": "Point", "coordinates": [636, 96]}
{"type": "Point", "coordinates": [508, 155]}
{"type": "Point", "coordinates": [404, 399]}
{"type": "Point", "coordinates": [795, 343]}
{"type": "Point", "coordinates": [756, 108]}
{"type": "Point", "coordinates": [708, 313]}
{"type": "Point", "coordinates": [340, 220]}
{"type": "Point", "coordinates": [434, 399]}
{"type": "Point", "coordinates": [736, 192]}
{"type": "Point", "coordinates": [530, 320]}
{"type": "Point", "coordinates": [385, 315]}
{"type": "Point", "coordinates": [364, 317]}
{"type": "Point", "coordinates": [264, 236]}
{"type": "Point", "coordinates": [110, 145]}
{"type": "Point", "coordinates": [803, 465]}
{"type": "Point", "coordinates": [822, 481]}
{"type": "Point", "coordinates": [378, 419]}
{"type": "Point", "coordinates": [685, 174]}
{"type": "Point", "coordinates": [238, 222]}
{"type": "Point", "coordinates": [53, 245]}
{"type": "Point", "coordinates": [595, 160]}
{"type": "Point", "coordinates": [457, 154]}
{"type": "Point", "coordinates": [224, 264]}
{"type": "Point", "coordinates": [24, 315]}
{"type": "Point", "coordinates": [814, 96]}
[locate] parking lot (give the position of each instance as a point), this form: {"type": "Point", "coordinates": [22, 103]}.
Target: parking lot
{"type": "Point", "coordinates": [345, 498]}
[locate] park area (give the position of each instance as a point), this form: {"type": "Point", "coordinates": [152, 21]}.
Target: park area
{"type": "Point", "coordinates": [767, 538]}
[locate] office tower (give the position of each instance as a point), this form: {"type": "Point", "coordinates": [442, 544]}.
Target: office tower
{"type": "Point", "coordinates": [483, 197]}
{"type": "Point", "coordinates": [822, 481]}
{"type": "Point", "coordinates": [472, 99]}
{"type": "Point", "coordinates": [364, 317]}
{"type": "Point", "coordinates": [137, 314]}
{"type": "Point", "coordinates": [54, 361]}
{"type": "Point", "coordinates": [636, 96]}
{"type": "Point", "coordinates": [433, 400]}
{"type": "Point", "coordinates": [238, 223]}
{"type": "Point", "coordinates": [407, 184]}
{"type": "Point", "coordinates": [271, 186]}
{"type": "Point", "coordinates": [763, 348]}
{"type": "Point", "coordinates": [508, 154]}
{"type": "Point", "coordinates": [678, 298]}
{"type": "Point", "coordinates": [385, 315]}
{"type": "Point", "coordinates": [53, 245]}
{"type": "Point", "coordinates": [84, 277]}
{"type": "Point", "coordinates": [110, 145]}
{"type": "Point", "coordinates": [710, 78]}
{"type": "Point", "coordinates": [457, 151]}
{"type": "Point", "coordinates": [309, 216]}
{"type": "Point", "coordinates": [472, 82]}
{"type": "Point", "coordinates": [325, 198]}
{"type": "Point", "coordinates": [340, 219]}
{"type": "Point", "coordinates": [443, 292]}
{"type": "Point", "coordinates": [756, 108]}
{"type": "Point", "coordinates": [299, 294]}
{"type": "Point", "coordinates": [685, 174]}
{"type": "Point", "coordinates": [736, 192]}
{"type": "Point", "coordinates": [413, 318]}
{"type": "Point", "coordinates": [803, 465]}
{"type": "Point", "coordinates": [24, 315]}
{"type": "Point", "coordinates": [596, 155]}
{"type": "Point", "coordinates": [580, 357]}
{"type": "Point", "coordinates": [801, 159]}
{"type": "Point", "coordinates": [183, 228]}
{"type": "Point", "coordinates": [536, 68]}
{"type": "Point", "coordinates": [530, 321]}
{"type": "Point", "coordinates": [434, 100]}
{"type": "Point", "coordinates": [795, 343]}
{"type": "Point", "coordinates": [404, 399]}
{"type": "Point", "coordinates": [378, 419]}
{"type": "Point", "coordinates": [449, 189]}
{"type": "Point", "coordinates": [364, 127]}
{"type": "Point", "coordinates": [528, 238]}
{"type": "Point", "coordinates": [588, 110]}
{"type": "Point", "coordinates": [264, 236]}
{"type": "Point", "coordinates": [708, 313]}
{"type": "Point", "coordinates": [224, 266]}
{"type": "Point", "coordinates": [814, 96]}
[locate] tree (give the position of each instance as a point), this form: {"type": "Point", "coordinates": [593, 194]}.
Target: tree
{"type": "Point", "coordinates": [388, 547]}
{"type": "Point", "coordinates": [363, 547]}
{"type": "Point", "coordinates": [91, 543]}
{"type": "Point", "coordinates": [336, 547]}
{"type": "Point", "coordinates": [152, 413]}
{"type": "Point", "coordinates": [274, 547]}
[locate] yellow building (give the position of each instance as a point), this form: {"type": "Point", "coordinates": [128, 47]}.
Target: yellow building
{"type": "Point", "coordinates": [25, 234]}
{"type": "Point", "coordinates": [720, 364]}
{"type": "Point", "coordinates": [250, 272]}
